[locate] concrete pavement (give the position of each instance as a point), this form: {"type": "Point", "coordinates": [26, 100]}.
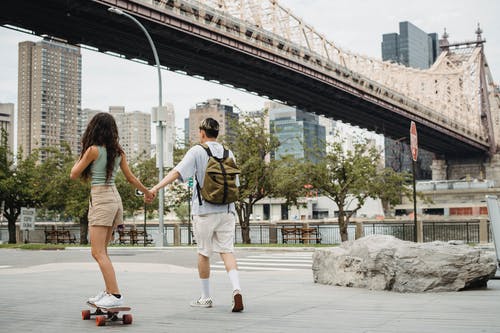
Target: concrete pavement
{"type": "Point", "coordinates": [48, 296]}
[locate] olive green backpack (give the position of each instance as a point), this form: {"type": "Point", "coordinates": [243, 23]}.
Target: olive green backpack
{"type": "Point", "coordinates": [219, 184]}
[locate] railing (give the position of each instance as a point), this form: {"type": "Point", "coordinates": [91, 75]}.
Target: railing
{"type": "Point", "coordinates": [467, 231]}
{"type": "Point", "coordinates": [330, 234]}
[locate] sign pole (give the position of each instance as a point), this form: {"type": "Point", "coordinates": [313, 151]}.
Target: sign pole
{"type": "Point", "coordinates": [414, 155]}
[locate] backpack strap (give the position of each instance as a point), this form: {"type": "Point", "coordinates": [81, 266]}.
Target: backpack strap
{"type": "Point", "coordinates": [198, 187]}
{"type": "Point", "coordinates": [207, 149]}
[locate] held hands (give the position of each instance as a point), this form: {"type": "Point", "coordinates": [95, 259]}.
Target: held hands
{"type": "Point", "coordinates": [149, 196]}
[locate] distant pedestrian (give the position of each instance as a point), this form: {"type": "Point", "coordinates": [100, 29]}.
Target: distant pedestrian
{"type": "Point", "coordinates": [213, 224]}
{"type": "Point", "coordinates": [99, 161]}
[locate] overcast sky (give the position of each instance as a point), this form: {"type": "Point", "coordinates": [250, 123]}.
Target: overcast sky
{"type": "Point", "coordinates": [354, 25]}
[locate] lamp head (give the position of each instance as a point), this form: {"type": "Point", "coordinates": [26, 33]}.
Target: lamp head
{"type": "Point", "coordinates": [115, 10]}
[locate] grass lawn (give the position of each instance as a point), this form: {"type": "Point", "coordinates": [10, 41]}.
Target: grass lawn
{"type": "Point", "coordinates": [33, 246]}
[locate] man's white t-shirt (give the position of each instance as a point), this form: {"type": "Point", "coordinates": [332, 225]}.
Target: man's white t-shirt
{"type": "Point", "coordinates": [195, 162]}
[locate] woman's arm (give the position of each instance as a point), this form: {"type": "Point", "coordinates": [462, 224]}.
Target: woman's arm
{"type": "Point", "coordinates": [90, 155]}
{"type": "Point", "coordinates": [133, 179]}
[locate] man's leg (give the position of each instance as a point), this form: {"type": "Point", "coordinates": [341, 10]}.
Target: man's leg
{"type": "Point", "coordinates": [232, 272]}
{"type": "Point", "coordinates": [231, 269]}
{"type": "Point", "coordinates": [204, 274]}
{"type": "Point", "coordinates": [202, 232]}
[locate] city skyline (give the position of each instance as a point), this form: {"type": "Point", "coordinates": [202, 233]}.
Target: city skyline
{"type": "Point", "coordinates": [108, 80]}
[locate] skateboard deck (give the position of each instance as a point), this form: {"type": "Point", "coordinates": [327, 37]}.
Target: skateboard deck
{"type": "Point", "coordinates": [107, 315]}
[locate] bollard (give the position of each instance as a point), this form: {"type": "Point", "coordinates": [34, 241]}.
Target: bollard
{"type": "Point", "coordinates": [483, 231]}
{"type": "Point", "coordinates": [359, 230]}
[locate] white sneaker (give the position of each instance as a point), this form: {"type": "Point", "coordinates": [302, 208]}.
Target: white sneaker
{"type": "Point", "coordinates": [109, 301]}
{"type": "Point", "coordinates": [202, 303]}
{"type": "Point", "coordinates": [97, 297]}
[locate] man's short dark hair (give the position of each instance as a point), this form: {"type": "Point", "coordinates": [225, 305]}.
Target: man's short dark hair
{"type": "Point", "coordinates": [211, 127]}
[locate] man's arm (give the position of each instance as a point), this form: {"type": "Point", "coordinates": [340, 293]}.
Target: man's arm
{"type": "Point", "coordinates": [168, 179]}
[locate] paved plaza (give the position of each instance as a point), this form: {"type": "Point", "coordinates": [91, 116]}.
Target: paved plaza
{"type": "Point", "coordinates": [45, 291]}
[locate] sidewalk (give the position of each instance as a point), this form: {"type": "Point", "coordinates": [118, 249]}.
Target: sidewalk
{"type": "Point", "coordinates": [50, 297]}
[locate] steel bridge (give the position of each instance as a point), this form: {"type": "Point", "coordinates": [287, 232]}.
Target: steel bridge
{"type": "Point", "coordinates": [259, 46]}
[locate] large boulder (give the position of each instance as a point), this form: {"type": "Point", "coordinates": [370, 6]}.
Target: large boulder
{"type": "Point", "coordinates": [381, 262]}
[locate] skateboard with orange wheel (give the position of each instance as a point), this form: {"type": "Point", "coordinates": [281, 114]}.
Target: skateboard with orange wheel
{"type": "Point", "coordinates": [107, 315]}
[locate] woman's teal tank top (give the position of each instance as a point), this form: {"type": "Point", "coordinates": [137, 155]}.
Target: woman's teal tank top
{"type": "Point", "coordinates": [99, 168]}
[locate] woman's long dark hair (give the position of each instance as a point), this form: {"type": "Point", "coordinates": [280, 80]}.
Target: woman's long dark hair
{"type": "Point", "coordinates": [102, 131]}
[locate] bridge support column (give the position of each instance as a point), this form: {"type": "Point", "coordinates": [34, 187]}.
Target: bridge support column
{"type": "Point", "coordinates": [439, 169]}
{"type": "Point", "coordinates": [493, 168]}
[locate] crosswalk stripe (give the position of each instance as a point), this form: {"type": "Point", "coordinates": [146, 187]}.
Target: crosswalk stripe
{"type": "Point", "coordinates": [271, 264]}
{"type": "Point", "coordinates": [276, 261]}
{"type": "Point", "coordinates": [257, 268]}
{"type": "Point", "coordinates": [271, 260]}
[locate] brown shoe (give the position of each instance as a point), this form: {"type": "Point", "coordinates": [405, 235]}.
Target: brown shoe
{"type": "Point", "coordinates": [237, 301]}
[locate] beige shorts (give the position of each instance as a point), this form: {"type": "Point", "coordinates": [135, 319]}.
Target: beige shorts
{"type": "Point", "coordinates": [214, 233]}
{"type": "Point", "coordinates": [105, 206]}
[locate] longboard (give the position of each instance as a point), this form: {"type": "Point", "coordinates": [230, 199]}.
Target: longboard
{"type": "Point", "coordinates": [107, 315]}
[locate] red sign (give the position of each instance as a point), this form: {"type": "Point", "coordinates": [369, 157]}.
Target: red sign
{"type": "Point", "coordinates": [413, 141]}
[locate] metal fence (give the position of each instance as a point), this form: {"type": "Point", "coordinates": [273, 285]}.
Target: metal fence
{"type": "Point", "coordinates": [330, 233]}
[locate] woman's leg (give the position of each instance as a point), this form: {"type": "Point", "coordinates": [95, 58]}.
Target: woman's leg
{"type": "Point", "coordinates": [99, 238]}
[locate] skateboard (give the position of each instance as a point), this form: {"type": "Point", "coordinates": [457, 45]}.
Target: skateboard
{"type": "Point", "coordinates": [107, 315]}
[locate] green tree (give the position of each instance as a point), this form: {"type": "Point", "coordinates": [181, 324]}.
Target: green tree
{"type": "Point", "coordinates": [59, 194]}
{"type": "Point", "coordinates": [288, 179]}
{"type": "Point", "coordinates": [18, 186]}
{"type": "Point", "coordinates": [353, 176]}
{"type": "Point", "coordinates": [252, 147]}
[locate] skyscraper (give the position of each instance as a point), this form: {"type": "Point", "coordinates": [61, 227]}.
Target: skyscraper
{"type": "Point", "coordinates": [211, 108]}
{"type": "Point", "coordinates": [7, 124]}
{"type": "Point", "coordinates": [299, 133]}
{"type": "Point", "coordinates": [134, 129]}
{"type": "Point", "coordinates": [49, 95]}
{"type": "Point", "coordinates": [412, 47]}
{"type": "Point", "coordinates": [415, 48]}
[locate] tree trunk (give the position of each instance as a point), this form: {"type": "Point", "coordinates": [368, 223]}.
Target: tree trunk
{"type": "Point", "coordinates": [244, 210]}
{"type": "Point", "coordinates": [12, 230]}
{"type": "Point", "coordinates": [245, 226]}
{"type": "Point", "coordinates": [343, 225]}
{"type": "Point", "coordinates": [245, 231]}
{"type": "Point", "coordinates": [11, 214]}
{"type": "Point", "coordinates": [84, 228]}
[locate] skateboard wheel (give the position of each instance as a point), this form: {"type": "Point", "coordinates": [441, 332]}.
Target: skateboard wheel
{"type": "Point", "coordinates": [100, 320]}
{"type": "Point", "coordinates": [85, 314]}
{"type": "Point", "coordinates": [127, 319]}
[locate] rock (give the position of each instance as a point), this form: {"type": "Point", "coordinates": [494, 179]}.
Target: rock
{"type": "Point", "coordinates": [380, 262]}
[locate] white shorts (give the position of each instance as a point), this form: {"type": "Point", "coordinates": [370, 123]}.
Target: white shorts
{"type": "Point", "coordinates": [214, 233]}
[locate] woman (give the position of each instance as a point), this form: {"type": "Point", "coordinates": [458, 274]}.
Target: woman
{"type": "Point", "coordinates": [99, 161]}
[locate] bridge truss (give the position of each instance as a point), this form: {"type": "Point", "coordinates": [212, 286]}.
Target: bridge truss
{"type": "Point", "coordinates": [457, 92]}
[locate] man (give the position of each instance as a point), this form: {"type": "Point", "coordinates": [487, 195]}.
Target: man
{"type": "Point", "coordinates": [213, 224]}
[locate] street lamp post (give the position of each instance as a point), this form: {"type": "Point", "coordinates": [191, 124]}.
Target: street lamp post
{"type": "Point", "coordinates": [159, 127]}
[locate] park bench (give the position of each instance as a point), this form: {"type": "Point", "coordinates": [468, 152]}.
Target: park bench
{"type": "Point", "coordinates": [290, 234]}
{"type": "Point", "coordinates": [138, 237]}
{"type": "Point", "coordinates": [133, 237]}
{"type": "Point", "coordinates": [54, 236]}
{"type": "Point", "coordinates": [302, 235]}
{"type": "Point", "coordinates": [309, 235]}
